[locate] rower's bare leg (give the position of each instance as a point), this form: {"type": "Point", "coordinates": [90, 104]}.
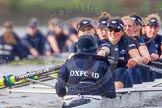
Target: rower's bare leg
{"type": "Point", "coordinates": [119, 85]}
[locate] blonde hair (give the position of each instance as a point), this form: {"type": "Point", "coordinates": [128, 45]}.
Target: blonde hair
{"type": "Point", "coordinates": [155, 16]}
{"type": "Point", "coordinates": [128, 18]}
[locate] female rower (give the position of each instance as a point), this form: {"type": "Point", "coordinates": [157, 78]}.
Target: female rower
{"type": "Point", "coordinates": [34, 40]}
{"type": "Point", "coordinates": [101, 28]}
{"type": "Point", "coordinates": [129, 29]}
{"type": "Point", "coordinates": [121, 48]}
{"type": "Point", "coordinates": [138, 24]}
{"type": "Point", "coordinates": [10, 44]}
{"type": "Point", "coordinates": [56, 38]}
{"type": "Point", "coordinates": [152, 38]}
{"type": "Point", "coordinates": [85, 27]}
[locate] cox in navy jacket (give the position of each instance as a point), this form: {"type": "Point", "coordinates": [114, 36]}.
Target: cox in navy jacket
{"type": "Point", "coordinates": [85, 74]}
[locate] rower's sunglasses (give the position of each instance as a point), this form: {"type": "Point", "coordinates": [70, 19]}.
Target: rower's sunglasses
{"type": "Point", "coordinates": [113, 29]}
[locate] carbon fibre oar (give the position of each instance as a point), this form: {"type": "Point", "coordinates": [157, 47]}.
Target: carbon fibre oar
{"type": "Point", "coordinates": [151, 68]}
{"type": "Point", "coordinates": [31, 80]}
{"type": "Point", "coordinates": [156, 64]}
{"type": "Point", "coordinates": [10, 80]}
{"type": "Point", "coordinates": [159, 60]}
{"type": "Point", "coordinates": [148, 67]}
{"type": "Point", "coordinates": [25, 83]}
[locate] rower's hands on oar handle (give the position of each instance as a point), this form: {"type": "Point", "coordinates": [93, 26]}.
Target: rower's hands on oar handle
{"type": "Point", "coordinates": [34, 52]}
{"type": "Point", "coordinates": [154, 56]}
{"type": "Point", "coordinates": [101, 52]}
{"type": "Point", "coordinates": [131, 63]}
{"type": "Point", "coordinates": [145, 60]}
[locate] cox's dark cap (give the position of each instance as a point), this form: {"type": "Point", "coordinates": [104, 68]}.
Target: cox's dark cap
{"type": "Point", "coordinates": [102, 23]}
{"type": "Point", "coordinates": [33, 23]}
{"type": "Point", "coordinates": [84, 23]}
{"type": "Point", "coordinates": [116, 24]}
{"type": "Point", "coordinates": [137, 19]}
{"type": "Point", "coordinates": [87, 43]}
{"type": "Point", "coordinates": [152, 21]}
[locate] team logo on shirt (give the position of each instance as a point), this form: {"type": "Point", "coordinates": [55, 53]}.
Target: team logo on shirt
{"type": "Point", "coordinates": [123, 51]}
{"type": "Point", "coordinates": [84, 73]}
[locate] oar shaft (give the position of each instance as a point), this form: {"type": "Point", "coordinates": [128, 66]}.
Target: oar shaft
{"type": "Point", "coordinates": [38, 72]}
{"type": "Point", "coordinates": [151, 68]}
{"type": "Point", "coordinates": [156, 64]}
{"type": "Point", "coordinates": [40, 86]}
{"type": "Point", "coordinates": [159, 60]}
{"type": "Point", "coordinates": [10, 79]}
{"type": "Point", "coordinates": [31, 80]}
{"type": "Point", "coordinates": [148, 67]}
{"type": "Point", "coordinates": [50, 91]}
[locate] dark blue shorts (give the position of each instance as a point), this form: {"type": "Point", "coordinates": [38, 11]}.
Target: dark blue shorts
{"type": "Point", "coordinates": [147, 76]}
{"type": "Point", "coordinates": [135, 75]}
{"type": "Point", "coordinates": [122, 75]}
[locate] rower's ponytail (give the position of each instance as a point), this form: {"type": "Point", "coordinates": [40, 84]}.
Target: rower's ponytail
{"type": "Point", "coordinates": [104, 16]}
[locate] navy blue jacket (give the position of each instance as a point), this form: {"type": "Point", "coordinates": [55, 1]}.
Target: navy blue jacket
{"type": "Point", "coordinates": [61, 40]}
{"type": "Point", "coordinates": [158, 43]}
{"type": "Point", "coordinates": [37, 41]}
{"type": "Point", "coordinates": [124, 46]}
{"type": "Point", "coordinates": [83, 71]}
{"type": "Point", "coordinates": [138, 41]}
{"type": "Point", "coordinates": [150, 43]}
